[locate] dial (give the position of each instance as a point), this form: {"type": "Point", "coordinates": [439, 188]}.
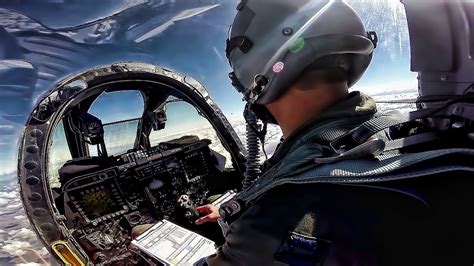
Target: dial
{"type": "Point", "coordinates": [93, 128]}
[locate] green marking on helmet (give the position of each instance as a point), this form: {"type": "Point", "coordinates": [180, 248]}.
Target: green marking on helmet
{"type": "Point", "coordinates": [297, 45]}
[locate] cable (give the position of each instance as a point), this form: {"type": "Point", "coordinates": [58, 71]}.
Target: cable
{"type": "Point", "coordinates": [254, 138]}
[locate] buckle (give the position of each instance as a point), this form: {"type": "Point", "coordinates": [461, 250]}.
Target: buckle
{"type": "Point", "coordinates": [371, 147]}
{"type": "Point", "coordinates": [241, 42]}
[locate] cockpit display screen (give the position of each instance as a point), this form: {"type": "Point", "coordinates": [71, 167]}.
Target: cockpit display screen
{"type": "Point", "coordinates": [98, 201]}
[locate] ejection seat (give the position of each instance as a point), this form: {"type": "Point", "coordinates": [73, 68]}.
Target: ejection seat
{"type": "Point", "coordinates": [91, 130]}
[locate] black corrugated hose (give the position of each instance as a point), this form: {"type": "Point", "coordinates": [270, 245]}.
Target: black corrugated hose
{"type": "Point", "coordinates": [252, 164]}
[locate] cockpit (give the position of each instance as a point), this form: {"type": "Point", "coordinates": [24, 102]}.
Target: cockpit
{"type": "Point", "coordinates": [120, 155]}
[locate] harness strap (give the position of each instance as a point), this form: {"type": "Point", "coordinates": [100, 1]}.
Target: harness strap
{"type": "Point", "coordinates": [368, 148]}
{"type": "Point", "coordinates": [410, 141]}
{"type": "Point", "coordinates": [362, 133]}
{"type": "Point", "coordinates": [383, 168]}
{"type": "Point", "coordinates": [458, 106]}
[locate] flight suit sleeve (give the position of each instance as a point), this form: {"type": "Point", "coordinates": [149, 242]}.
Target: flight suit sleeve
{"type": "Point", "coordinates": [245, 245]}
{"type": "Point", "coordinates": [256, 237]}
{"type": "Point", "coordinates": [320, 214]}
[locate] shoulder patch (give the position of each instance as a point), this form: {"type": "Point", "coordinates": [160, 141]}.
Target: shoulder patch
{"type": "Point", "coordinates": [298, 249]}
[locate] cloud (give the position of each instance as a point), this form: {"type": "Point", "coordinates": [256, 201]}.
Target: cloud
{"type": "Point", "coordinates": [388, 88]}
{"type": "Point", "coordinates": [8, 169]}
{"type": "Point", "coordinates": [4, 202]}
{"type": "Point", "coordinates": [22, 233]}
{"type": "Point", "coordinates": [7, 129]}
{"type": "Point", "coordinates": [219, 55]}
{"type": "Point", "coordinates": [14, 206]}
{"type": "Point", "coordinates": [9, 200]}
{"type": "Point", "coordinates": [9, 195]}
{"type": "Point", "coordinates": [15, 247]}
{"type": "Point", "coordinates": [44, 252]}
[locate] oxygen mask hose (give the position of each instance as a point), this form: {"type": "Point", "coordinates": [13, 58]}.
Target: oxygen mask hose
{"type": "Point", "coordinates": [252, 171]}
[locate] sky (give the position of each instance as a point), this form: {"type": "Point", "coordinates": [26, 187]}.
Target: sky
{"type": "Point", "coordinates": [194, 45]}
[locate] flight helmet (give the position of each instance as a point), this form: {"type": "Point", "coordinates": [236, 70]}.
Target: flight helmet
{"type": "Point", "coordinates": [271, 42]}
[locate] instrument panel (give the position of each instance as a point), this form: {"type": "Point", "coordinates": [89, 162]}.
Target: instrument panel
{"type": "Point", "coordinates": [141, 187]}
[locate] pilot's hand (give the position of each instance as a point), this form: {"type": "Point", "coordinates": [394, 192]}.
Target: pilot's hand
{"type": "Point", "coordinates": [211, 213]}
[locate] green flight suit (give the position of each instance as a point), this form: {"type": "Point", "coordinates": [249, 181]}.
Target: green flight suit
{"type": "Point", "coordinates": [345, 224]}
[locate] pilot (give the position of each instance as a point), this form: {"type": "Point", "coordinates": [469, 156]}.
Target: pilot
{"type": "Point", "coordinates": [295, 62]}
{"type": "Point", "coordinates": [307, 95]}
